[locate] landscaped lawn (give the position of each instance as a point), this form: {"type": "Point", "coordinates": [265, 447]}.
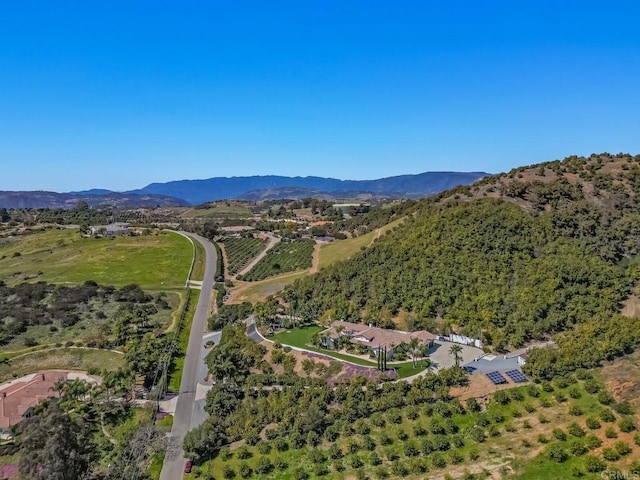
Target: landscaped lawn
{"type": "Point", "coordinates": [301, 338]}
{"type": "Point", "coordinates": [159, 261]}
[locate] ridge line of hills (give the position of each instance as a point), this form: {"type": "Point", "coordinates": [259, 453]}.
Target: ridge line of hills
{"type": "Point", "coordinates": [254, 188]}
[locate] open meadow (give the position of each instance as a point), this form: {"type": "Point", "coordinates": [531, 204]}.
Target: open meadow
{"type": "Point", "coordinates": [159, 261]}
{"type": "Point", "coordinates": [340, 250]}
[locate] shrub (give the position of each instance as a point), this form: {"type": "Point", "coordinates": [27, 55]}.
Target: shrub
{"type": "Point", "coordinates": [419, 430]}
{"type": "Point", "coordinates": [455, 457]}
{"type": "Point", "coordinates": [356, 462]}
{"type": "Point", "coordinates": [473, 405]}
{"type": "Point", "coordinates": [610, 432]}
{"type": "Point", "coordinates": [410, 450]}
{"type": "Point", "coordinates": [543, 419]}
{"type": "Point", "coordinates": [300, 474]}
{"type": "Point", "coordinates": [610, 454]}
{"type": "Point", "coordinates": [574, 392]}
{"type": "Point", "coordinates": [438, 461]}
{"type": "Point", "coordinates": [320, 470]}
{"type": "Point", "coordinates": [593, 423]}
{"type": "Point", "coordinates": [280, 464]}
{"type": "Point", "coordinates": [478, 435]}
{"type": "Point", "coordinates": [542, 438]}
{"type": "Point", "coordinates": [264, 465]}
{"type": "Point", "coordinates": [559, 434]}
{"type": "Point", "coordinates": [605, 397]}
{"type": "Point", "coordinates": [526, 424]}
{"type": "Point", "coordinates": [624, 408]}
{"type": "Point", "coordinates": [607, 415]}
{"type": "Point", "coordinates": [228, 472]}
{"type": "Point", "coordinates": [591, 387]}
{"type": "Point", "coordinates": [593, 464]}
{"type": "Point", "coordinates": [623, 448]}
{"type": "Point", "coordinates": [557, 453]}
{"type": "Point", "coordinates": [592, 442]}
{"type": "Point", "coordinates": [399, 469]}
{"type": "Point", "coordinates": [636, 438]}
{"type": "Point", "coordinates": [245, 470]}
{"type": "Point", "coordinates": [627, 424]}
{"type": "Point", "coordinates": [577, 448]}
{"type": "Point", "coordinates": [545, 403]}
{"type": "Point", "coordinates": [575, 430]}
{"type": "Point", "coordinates": [533, 391]}
{"type": "Point", "coordinates": [575, 410]}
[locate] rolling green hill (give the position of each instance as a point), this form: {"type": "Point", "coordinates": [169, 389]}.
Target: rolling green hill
{"type": "Point", "coordinates": [511, 259]}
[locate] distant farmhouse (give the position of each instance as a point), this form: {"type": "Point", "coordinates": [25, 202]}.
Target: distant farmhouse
{"type": "Point", "coordinates": [374, 338]}
{"type": "Point", "coordinates": [110, 230]}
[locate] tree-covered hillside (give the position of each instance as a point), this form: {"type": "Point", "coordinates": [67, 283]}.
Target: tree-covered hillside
{"type": "Point", "coordinates": [550, 250]}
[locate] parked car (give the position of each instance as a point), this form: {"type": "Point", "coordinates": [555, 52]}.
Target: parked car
{"type": "Point", "coordinates": [187, 467]}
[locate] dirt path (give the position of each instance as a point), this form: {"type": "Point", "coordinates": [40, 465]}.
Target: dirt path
{"type": "Point", "coordinates": [273, 241]}
{"type": "Point", "coordinates": [315, 261]}
{"type": "Point", "coordinates": [377, 236]}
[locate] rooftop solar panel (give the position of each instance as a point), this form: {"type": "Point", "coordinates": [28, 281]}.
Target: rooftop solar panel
{"type": "Point", "coordinates": [469, 369]}
{"type": "Point", "coordinates": [517, 376]}
{"type": "Point", "coordinates": [496, 378]}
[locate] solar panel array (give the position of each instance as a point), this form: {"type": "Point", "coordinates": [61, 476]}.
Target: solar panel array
{"type": "Point", "coordinates": [469, 369]}
{"type": "Point", "coordinates": [496, 378]}
{"type": "Point", "coordinates": [517, 376]}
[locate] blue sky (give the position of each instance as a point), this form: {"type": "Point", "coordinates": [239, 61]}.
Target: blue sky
{"type": "Point", "coordinates": [122, 94]}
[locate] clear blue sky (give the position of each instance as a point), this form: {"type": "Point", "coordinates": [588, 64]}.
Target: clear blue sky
{"type": "Point", "coordinates": [125, 93]}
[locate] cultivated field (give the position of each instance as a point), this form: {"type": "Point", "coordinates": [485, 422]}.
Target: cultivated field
{"type": "Point", "coordinates": [557, 430]}
{"type": "Point", "coordinates": [240, 251]}
{"type": "Point", "coordinates": [159, 261]}
{"type": "Point", "coordinates": [284, 257]}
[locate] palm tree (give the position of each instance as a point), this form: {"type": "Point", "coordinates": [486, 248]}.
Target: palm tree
{"type": "Point", "coordinates": [414, 349]}
{"type": "Point", "coordinates": [456, 352]}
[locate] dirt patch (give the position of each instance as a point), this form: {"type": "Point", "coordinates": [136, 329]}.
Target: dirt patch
{"type": "Point", "coordinates": [299, 356]}
{"type": "Point", "coordinates": [631, 307]}
{"type": "Point", "coordinates": [315, 262]}
{"type": "Point", "coordinates": [622, 378]}
{"type": "Point", "coordinates": [480, 387]}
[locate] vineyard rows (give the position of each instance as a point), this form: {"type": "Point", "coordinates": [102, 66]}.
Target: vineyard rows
{"type": "Point", "coordinates": [284, 257]}
{"type": "Point", "coordinates": [240, 251]}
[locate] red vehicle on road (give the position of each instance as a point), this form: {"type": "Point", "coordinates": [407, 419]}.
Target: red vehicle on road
{"type": "Point", "coordinates": [187, 467]}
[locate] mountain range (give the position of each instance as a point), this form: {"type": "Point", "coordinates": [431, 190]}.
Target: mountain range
{"type": "Point", "coordinates": [194, 192]}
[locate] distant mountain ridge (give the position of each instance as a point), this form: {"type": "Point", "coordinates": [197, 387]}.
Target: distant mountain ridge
{"type": "Point", "coordinates": [219, 188]}
{"type": "Point", "coordinates": [42, 199]}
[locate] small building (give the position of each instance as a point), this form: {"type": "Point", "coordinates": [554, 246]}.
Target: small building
{"type": "Point", "coordinates": [118, 228]}
{"type": "Point", "coordinates": [374, 338]}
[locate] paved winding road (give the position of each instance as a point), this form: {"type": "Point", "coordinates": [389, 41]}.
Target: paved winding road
{"type": "Point", "coordinates": [173, 467]}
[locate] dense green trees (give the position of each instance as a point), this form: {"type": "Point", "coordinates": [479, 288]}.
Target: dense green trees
{"type": "Point", "coordinates": [55, 446]}
{"type": "Point", "coordinates": [487, 266]}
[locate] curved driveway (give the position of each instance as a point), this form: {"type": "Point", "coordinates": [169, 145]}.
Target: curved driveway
{"type": "Point", "coordinates": [173, 466]}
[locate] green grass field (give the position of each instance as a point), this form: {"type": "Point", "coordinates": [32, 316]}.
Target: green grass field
{"type": "Point", "coordinates": [155, 262]}
{"type": "Point", "coordinates": [219, 210]}
{"type": "Point", "coordinates": [301, 338]}
{"type": "Point", "coordinates": [61, 358]}
{"type": "Point", "coordinates": [343, 249]}
{"type": "Point", "coordinates": [199, 262]}
{"type": "Point", "coordinates": [258, 291]}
